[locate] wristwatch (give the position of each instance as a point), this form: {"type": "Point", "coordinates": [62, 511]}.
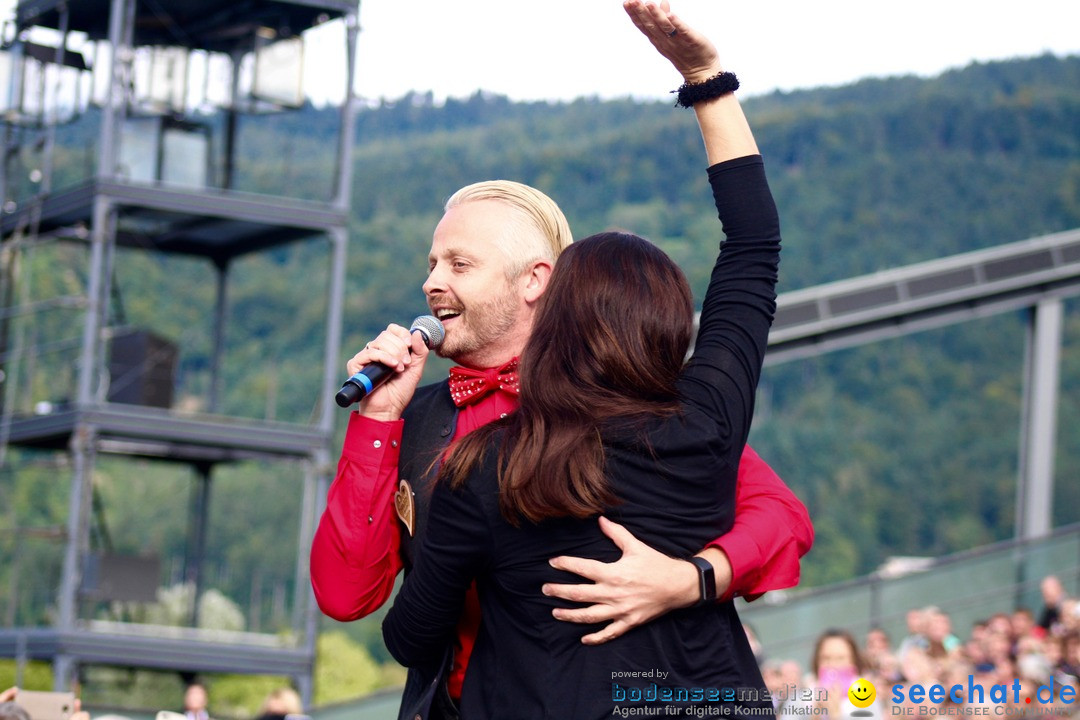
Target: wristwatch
{"type": "Point", "coordinates": [706, 579]}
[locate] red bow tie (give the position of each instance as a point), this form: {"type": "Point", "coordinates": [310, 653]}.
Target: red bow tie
{"type": "Point", "coordinates": [467, 385]}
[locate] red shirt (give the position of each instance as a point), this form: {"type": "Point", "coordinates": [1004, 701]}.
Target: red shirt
{"type": "Point", "coordinates": [355, 553]}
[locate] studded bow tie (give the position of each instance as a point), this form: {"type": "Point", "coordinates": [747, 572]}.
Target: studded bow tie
{"type": "Point", "coordinates": [468, 386]}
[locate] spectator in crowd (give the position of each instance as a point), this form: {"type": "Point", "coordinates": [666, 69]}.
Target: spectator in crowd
{"type": "Point", "coordinates": [975, 648]}
{"type": "Point", "coordinates": [770, 673]}
{"type": "Point", "coordinates": [196, 700]}
{"type": "Point", "coordinates": [12, 711]}
{"type": "Point", "coordinates": [955, 671]}
{"type": "Point", "coordinates": [1032, 665]}
{"type": "Point", "coordinates": [916, 637]}
{"type": "Point", "coordinates": [1000, 624]}
{"type": "Point", "coordinates": [1023, 625]}
{"type": "Point", "coordinates": [9, 709]}
{"type": "Point", "coordinates": [783, 679]}
{"type": "Point", "coordinates": [1052, 651]}
{"type": "Point", "coordinates": [791, 673]}
{"type": "Point", "coordinates": [918, 667]}
{"type": "Point", "coordinates": [978, 632]}
{"type": "Point", "coordinates": [836, 664]}
{"type": "Point", "coordinates": [999, 652]}
{"type": "Point", "coordinates": [1053, 595]}
{"type": "Point", "coordinates": [279, 703]}
{"type": "Point", "coordinates": [791, 683]}
{"type": "Point", "coordinates": [882, 666]}
{"type": "Point", "coordinates": [1070, 613]}
{"type": "Point", "coordinates": [1069, 652]}
{"type": "Point", "coordinates": [1066, 694]}
{"type": "Point", "coordinates": [876, 645]}
{"type": "Point", "coordinates": [940, 640]}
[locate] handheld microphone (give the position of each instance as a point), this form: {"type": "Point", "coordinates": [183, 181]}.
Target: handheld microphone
{"type": "Point", "coordinates": [372, 376]}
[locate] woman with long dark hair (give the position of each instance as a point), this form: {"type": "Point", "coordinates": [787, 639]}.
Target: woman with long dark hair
{"type": "Point", "coordinates": [612, 423]}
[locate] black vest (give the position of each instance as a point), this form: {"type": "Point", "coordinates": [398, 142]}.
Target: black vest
{"type": "Point", "coordinates": [430, 420]}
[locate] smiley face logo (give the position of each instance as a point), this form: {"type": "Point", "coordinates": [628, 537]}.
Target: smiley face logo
{"type": "Point", "coordinates": [861, 693]}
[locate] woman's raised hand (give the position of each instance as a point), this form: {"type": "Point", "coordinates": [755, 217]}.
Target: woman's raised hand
{"type": "Point", "coordinates": [692, 54]}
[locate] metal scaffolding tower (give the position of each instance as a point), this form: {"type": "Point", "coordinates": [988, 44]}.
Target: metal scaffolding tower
{"type": "Point", "coordinates": [170, 85]}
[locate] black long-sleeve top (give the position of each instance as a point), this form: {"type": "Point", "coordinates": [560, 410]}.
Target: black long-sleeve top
{"type": "Point", "coordinates": [676, 491]}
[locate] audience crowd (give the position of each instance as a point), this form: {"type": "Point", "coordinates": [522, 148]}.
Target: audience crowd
{"type": "Point", "coordinates": [1010, 665]}
{"type": "Point", "coordinates": [282, 703]}
{"type": "Point", "coordinates": [1032, 659]}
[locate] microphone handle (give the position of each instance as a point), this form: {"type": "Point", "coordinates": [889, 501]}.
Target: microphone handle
{"type": "Point", "coordinates": [362, 383]}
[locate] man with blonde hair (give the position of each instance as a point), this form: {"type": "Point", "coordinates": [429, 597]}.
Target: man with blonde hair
{"type": "Point", "coordinates": [535, 213]}
{"type": "Point", "coordinates": [491, 257]}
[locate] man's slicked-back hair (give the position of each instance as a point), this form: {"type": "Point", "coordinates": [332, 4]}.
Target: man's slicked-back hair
{"type": "Point", "coordinates": [540, 231]}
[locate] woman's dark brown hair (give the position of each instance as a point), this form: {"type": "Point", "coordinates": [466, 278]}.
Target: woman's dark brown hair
{"type": "Point", "coordinates": [609, 339]}
{"type": "Point", "coordinates": [848, 638]}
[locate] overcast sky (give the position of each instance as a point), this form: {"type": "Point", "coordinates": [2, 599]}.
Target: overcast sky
{"type": "Point", "coordinates": [562, 49]}
{"type": "Point", "coordinates": [570, 48]}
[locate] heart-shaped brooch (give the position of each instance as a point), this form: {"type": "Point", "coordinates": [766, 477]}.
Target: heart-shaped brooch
{"type": "Point", "coordinates": [405, 505]}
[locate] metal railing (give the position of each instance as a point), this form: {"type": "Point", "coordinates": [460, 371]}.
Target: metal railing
{"type": "Point", "coordinates": [968, 586]}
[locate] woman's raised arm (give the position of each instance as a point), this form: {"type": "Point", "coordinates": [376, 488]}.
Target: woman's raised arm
{"type": "Point", "coordinates": [707, 86]}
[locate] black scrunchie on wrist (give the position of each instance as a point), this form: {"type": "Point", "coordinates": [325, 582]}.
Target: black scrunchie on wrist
{"type": "Point", "coordinates": [716, 86]}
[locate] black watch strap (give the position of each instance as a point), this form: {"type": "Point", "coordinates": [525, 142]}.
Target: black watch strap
{"type": "Point", "coordinates": [706, 580]}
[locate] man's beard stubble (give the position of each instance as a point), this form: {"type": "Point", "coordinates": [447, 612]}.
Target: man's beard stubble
{"type": "Point", "coordinates": [482, 325]}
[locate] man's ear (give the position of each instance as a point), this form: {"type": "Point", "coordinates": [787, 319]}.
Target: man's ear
{"type": "Point", "coordinates": [535, 280]}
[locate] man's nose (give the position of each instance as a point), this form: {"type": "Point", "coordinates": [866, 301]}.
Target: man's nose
{"type": "Point", "coordinates": [435, 282]}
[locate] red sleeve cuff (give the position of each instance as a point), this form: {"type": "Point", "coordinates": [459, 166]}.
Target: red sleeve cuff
{"type": "Point", "coordinates": [745, 558]}
{"type": "Point", "coordinates": [372, 443]}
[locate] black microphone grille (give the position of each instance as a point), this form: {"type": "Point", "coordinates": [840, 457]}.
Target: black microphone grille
{"type": "Point", "coordinates": [432, 330]}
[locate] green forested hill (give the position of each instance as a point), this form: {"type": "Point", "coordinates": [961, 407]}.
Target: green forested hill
{"type": "Point", "coordinates": [902, 447]}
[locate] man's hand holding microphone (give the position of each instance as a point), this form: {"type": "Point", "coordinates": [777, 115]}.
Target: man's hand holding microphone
{"type": "Point", "coordinates": [385, 374]}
